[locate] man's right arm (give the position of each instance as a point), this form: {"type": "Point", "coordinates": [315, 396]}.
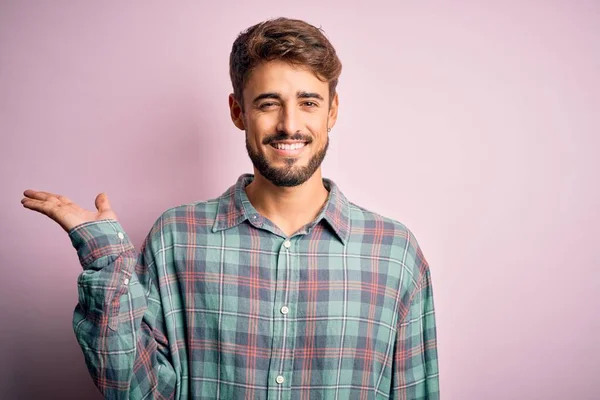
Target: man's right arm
{"type": "Point", "coordinates": [119, 321]}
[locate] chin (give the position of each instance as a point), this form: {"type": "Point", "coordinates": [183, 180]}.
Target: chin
{"type": "Point", "coordinates": [286, 171]}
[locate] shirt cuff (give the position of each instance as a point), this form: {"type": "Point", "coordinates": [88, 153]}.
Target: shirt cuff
{"type": "Point", "coordinates": [96, 240]}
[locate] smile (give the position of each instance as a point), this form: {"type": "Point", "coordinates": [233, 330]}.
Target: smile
{"type": "Point", "coordinates": [286, 146]}
{"type": "Point", "coordinates": [289, 148]}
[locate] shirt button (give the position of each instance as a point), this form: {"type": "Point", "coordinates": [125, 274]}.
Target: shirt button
{"type": "Point", "coordinates": [120, 235]}
{"type": "Point", "coordinates": [126, 281]}
{"type": "Point", "coordinates": [284, 310]}
{"type": "Point", "coordinates": [279, 379]}
{"type": "Point", "coordinates": [287, 244]}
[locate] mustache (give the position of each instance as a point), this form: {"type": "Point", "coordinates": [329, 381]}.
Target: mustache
{"type": "Point", "coordinates": [279, 136]}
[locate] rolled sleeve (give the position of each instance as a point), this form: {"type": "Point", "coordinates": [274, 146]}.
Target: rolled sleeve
{"type": "Point", "coordinates": [108, 259]}
{"type": "Point", "coordinates": [99, 242]}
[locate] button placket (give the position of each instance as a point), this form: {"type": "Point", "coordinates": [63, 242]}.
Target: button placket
{"type": "Point", "coordinates": [282, 332]}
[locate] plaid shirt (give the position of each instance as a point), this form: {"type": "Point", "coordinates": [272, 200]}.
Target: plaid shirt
{"type": "Point", "coordinates": [220, 303]}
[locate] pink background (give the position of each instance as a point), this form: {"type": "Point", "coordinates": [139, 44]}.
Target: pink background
{"type": "Point", "coordinates": [475, 125]}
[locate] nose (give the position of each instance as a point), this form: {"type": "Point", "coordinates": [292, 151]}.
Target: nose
{"type": "Point", "coordinates": [288, 121]}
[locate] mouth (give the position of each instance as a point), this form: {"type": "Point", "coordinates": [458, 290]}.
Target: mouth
{"type": "Point", "coordinates": [289, 148]}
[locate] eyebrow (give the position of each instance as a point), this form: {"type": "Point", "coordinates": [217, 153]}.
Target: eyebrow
{"type": "Point", "coordinates": [277, 96]}
{"type": "Point", "coordinates": [308, 95]}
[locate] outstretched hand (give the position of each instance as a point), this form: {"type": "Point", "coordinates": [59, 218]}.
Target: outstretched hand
{"type": "Point", "coordinates": [66, 213]}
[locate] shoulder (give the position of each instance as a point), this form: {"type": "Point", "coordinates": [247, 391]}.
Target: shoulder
{"type": "Point", "coordinates": [364, 221]}
{"type": "Point", "coordinates": [198, 217]}
{"type": "Point", "coordinates": [198, 210]}
{"type": "Point", "coordinates": [390, 236]}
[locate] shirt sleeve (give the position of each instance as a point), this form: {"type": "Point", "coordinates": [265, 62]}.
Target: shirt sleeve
{"type": "Point", "coordinates": [415, 372]}
{"type": "Point", "coordinates": [118, 321]}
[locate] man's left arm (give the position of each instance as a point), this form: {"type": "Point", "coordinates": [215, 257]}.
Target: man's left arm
{"type": "Point", "coordinates": [415, 372]}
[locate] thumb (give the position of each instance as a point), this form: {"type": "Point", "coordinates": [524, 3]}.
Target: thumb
{"type": "Point", "coordinates": [102, 203]}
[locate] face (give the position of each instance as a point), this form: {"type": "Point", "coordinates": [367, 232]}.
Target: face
{"type": "Point", "coordinates": [286, 116]}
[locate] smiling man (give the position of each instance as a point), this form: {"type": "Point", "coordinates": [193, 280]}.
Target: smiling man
{"type": "Point", "coordinates": [280, 288]}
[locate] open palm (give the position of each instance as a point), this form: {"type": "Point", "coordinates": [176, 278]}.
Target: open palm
{"type": "Point", "coordinates": [62, 210]}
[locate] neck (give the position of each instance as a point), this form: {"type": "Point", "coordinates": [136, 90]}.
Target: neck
{"type": "Point", "coordinates": [290, 208]}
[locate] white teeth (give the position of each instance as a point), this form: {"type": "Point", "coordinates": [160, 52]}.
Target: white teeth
{"type": "Point", "coordinates": [294, 146]}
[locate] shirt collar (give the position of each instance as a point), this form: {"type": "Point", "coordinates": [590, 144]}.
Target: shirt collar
{"type": "Point", "coordinates": [235, 208]}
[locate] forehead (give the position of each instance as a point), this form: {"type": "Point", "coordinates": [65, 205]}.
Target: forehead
{"type": "Point", "coordinates": [284, 78]}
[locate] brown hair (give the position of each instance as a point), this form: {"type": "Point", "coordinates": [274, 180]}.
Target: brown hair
{"type": "Point", "coordinates": [290, 40]}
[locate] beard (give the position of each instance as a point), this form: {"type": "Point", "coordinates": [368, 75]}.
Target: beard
{"type": "Point", "coordinates": [291, 174]}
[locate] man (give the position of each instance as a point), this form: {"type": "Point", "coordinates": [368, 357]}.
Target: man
{"type": "Point", "coordinates": [280, 288]}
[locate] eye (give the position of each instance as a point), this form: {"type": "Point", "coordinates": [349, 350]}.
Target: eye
{"type": "Point", "coordinates": [310, 104]}
{"type": "Point", "coordinates": [267, 105]}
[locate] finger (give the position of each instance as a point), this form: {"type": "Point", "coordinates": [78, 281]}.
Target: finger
{"type": "Point", "coordinates": [50, 200]}
{"type": "Point", "coordinates": [40, 195]}
{"type": "Point", "coordinates": [40, 206]}
{"type": "Point", "coordinates": [37, 194]}
{"type": "Point", "coordinates": [102, 203]}
{"type": "Point", "coordinates": [47, 209]}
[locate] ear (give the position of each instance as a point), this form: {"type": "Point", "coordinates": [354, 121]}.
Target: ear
{"type": "Point", "coordinates": [236, 112]}
{"type": "Point", "coordinates": [333, 111]}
